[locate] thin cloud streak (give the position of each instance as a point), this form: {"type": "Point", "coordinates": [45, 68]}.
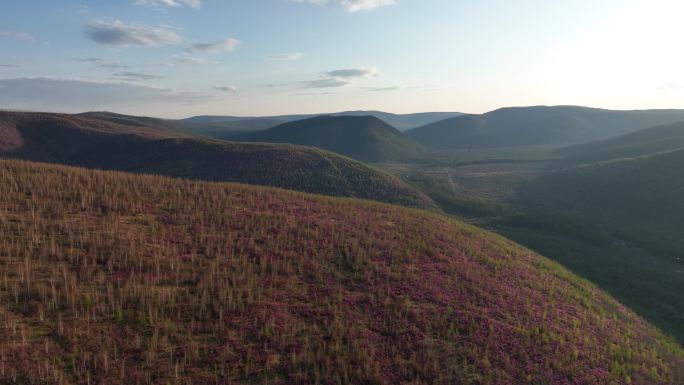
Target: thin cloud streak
{"type": "Point", "coordinates": [285, 56]}
{"type": "Point", "coordinates": [116, 33]}
{"type": "Point", "coordinates": [225, 45]}
{"type": "Point", "coordinates": [341, 77]}
{"type": "Point", "coordinates": [169, 3]}
{"type": "Point", "coordinates": [26, 38]}
{"type": "Point", "coordinates": [135, 76]}
{"type": "Point", "coordinates": [226, 88]}
{"type": "Point", "coordinates": [350, 6]}
{"type": "Point", "coordinates": [100, 62]}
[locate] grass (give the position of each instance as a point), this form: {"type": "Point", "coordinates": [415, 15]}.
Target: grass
{"type": "Point", "coordinates": [116, 278]}
{"type": "Point", "coordinates": [614, 223]}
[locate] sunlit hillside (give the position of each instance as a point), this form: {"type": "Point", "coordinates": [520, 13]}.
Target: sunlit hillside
{"type": "Point", "coordinates": [121, 279]}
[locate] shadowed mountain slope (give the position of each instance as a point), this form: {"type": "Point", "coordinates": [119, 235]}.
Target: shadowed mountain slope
{"type": "Point", "coordinates": [222, 126]}
{"type": "Point", "coordinates": [643, 196]}
{"type": "Point", "coordinates": [121, 279]}
{"type": "Point", "coordinates": [649, 141]}
{"type": "Point", "coordinates": [365, 138]}
{"type": "Point", "coordinates": [79, 141]}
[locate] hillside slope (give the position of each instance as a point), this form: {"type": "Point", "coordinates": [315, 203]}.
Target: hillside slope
{"type": "Point", "coordinates": [225, 129]}
{"type": "Point", "coordinates": [128, 120]}
{"type": "Point", "coordinates": [365, 138]}
{"type": "Point", "coordinates": [119, 279]}
{"type": "Point", "coordinates": [643, 196]}
{"type": "Point", "coordinates": [73, 140]}
{"type": "Point", "coordinates": [644, 142]}
{"type": "Point", "coordinates": [540, 125]}
{"type": "Point", "coordinates": [640, 203]}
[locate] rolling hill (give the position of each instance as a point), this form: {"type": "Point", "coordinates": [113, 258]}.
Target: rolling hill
{"type": "Point", "coordinates": [80, 141]}
{"type": "Point", "coordinates": [365, 138]}
{"type": "Point", "coordinates": [540, 125]}
{"type": "Point", "coordinates": [221, 127]}
{"type": "Point", "coordinates": [120, 279]}
{"type": "Point", "coordinates": [644, 142]}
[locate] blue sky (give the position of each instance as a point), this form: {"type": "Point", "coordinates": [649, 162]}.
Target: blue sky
{"type": "Point", "coordinates": [176, 58]}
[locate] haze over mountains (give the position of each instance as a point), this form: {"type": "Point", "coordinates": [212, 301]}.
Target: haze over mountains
{"type": "Point", "coordinates": [541, 125]}
{"type": "Point", "coordinates": [229, 127]}
{"type": "Point", "coordinates": [649, 141]}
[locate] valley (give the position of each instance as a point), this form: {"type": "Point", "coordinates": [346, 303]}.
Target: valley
{"type": "Point", "coordinates": [621, 242]}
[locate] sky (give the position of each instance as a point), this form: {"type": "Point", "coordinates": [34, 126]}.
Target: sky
{"type": "Point", "coordinates": [179, 58]}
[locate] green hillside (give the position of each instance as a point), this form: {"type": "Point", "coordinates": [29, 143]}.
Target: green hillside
{"type": "Point", "coordinates": [121, 279]}
{"type": "Point", "coordinates": [649, 141]}
{"type": "Point", "coordinates": [365, 138]}
{"type": "Point", "coordinates": [643, 194]}
{"type": "Point", "coordinates": [638, 202]}
{"type": "Point", "coordinates": [78, 141]}
{"type": "Point", "coordinates": [540, 125]}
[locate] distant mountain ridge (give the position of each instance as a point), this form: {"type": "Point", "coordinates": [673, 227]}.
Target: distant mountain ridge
{"type": "Point", "coordinates": [538, 125]}
{"type": "Point", "coordinates": [401, 122]}
{"type": "Point", "coordinates": [87, 142]}
{"type": "Point", "coordinates": [643, 142]}
{"type": "Point", "coordinates": [364, 138]}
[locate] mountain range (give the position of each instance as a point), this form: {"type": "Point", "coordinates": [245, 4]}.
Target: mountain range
{"type": "Point", "coordinates": [649, 141]}
{"type": "Point", "coordinates": [364, 138]}
{"type": "Point", "coordinates": [539, 125]}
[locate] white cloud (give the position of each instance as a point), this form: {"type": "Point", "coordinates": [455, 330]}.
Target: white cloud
{"type": "Point", "coordinates": [325, 82]}
{"type": "Point", "coordinates": [118, 34]}
{"type": "Point", "coordinates": [341, 77]}
{"type": "Point", "coordinates": [351, 5]}
{"type": "Point", "coordinates": [225, 45]}
{"type": "Point", "coordinates": [226, 88]}
{"type": "Point", "coordinates": [104, 63]}
{"type": "Point", "coordinates": [170, 3]}
{"type": "Point", "coordinates": [135, 76]}
{"type": "Point", "coordinates": [382, 89]}
{"type": "Point", "coordinates": [18, 36]}
{"type": "Point", "coordinates": [285, 56]}
{"type": "Point", "coordinates": [361, 72]}
{"type": "Point", "coordinates": [189, 59]}
{"type": "Point", "coordinates": [315, 93]}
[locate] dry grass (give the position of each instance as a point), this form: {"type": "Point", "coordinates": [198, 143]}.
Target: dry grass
{"type": "Point", "coordinates": [112, 278]}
